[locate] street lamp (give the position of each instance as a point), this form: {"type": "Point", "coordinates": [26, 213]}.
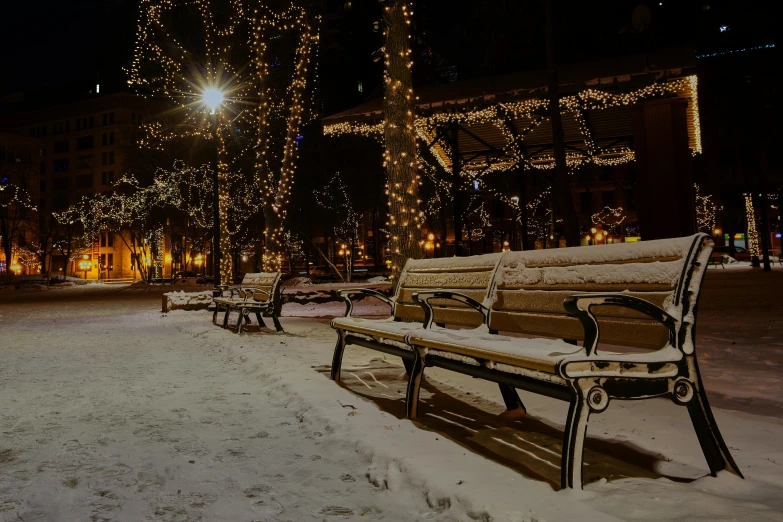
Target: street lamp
{"type": "Point", "coordinates": [212, 97]}
{"type": "Point", "coordinates": [198, 262]}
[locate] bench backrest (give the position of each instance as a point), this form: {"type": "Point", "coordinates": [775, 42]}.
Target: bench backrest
{"type": "Point", "coordinates": [468, 275]}
{"type": "Point", "coordinates": [529, 288]}
{"type": "Point", "coordinates": [267, 281]}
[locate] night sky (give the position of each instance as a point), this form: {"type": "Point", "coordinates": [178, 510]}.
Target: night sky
{"type": "Point", "coordinates": [57, 48]}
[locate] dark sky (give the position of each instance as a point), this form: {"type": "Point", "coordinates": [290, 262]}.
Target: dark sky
{"type": "Point", "coordinates": [55, 50]}
{"type": "Point", "coordinates": [61, 46]}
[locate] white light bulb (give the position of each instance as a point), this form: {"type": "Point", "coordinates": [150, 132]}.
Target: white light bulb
{"type": "Point", "coordinates": [212, 98]}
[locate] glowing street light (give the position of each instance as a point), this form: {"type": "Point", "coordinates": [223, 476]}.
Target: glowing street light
{"type": "Point", "coordinates": [212, 97]}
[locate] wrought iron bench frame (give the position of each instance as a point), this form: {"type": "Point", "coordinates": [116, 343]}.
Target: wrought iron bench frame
{"type": "Point", "coordinates": [590, 390]}
{"type": "Point", "coordinates": [247, 304]}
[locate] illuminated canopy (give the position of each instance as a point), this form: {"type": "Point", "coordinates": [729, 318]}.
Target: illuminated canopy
{"type": "Point", "coordinates": [502, 123]}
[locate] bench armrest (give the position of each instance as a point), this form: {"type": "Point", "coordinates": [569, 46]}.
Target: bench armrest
{"type": "Point", "coordinates": [579, 306]}
{"type": "Point", "coordinates": [346, 293]}
{"type": "Point", "coordinates": [250, 293]}
{"type": "Point", "coordinates": [230, 288]}
{"type": "Point", "coordinates": [423, 299]}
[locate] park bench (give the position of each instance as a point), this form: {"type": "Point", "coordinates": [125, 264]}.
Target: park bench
{"type": "Point", "coordinates": [259, 293]}
{"type": "Point", "coordinates": [470, 276]}
{"type": "Point", "coordinates": [717, 258]}
{"type": "Point", "coordinates": [640, 295]}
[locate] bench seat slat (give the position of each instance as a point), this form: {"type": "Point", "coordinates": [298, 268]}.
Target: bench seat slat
{"type": "Point", "coordinates": [534, 354]}
{"type": "Point", "coordinates": [385, 329]}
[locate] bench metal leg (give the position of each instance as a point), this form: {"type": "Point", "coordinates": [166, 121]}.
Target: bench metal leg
{"type": "Point", "coordinates": [573, 442]}
{"type": "Point", "coordinates": [278, 326]}
{"type": "Point", "coordinates": [225, 317]}
{"type": "Point", "coordinates": [414, 386]}
{"type": "Point", "coordinates": [260, 320]}
{"type": "Point", "coordinates": [337, 358]}
{"type": "Point", "coordinates": [712, 444]}
{"type": "Point", "coordinates": [239, 321]}
{"type": "Point", "coordinates": [214, 314]}
{"type": "Point", "coordinates": [588, 397]}
{"type": "Point", "coordinates": [511, 398]}
{"type": "Point", "coordinates": [247, 319]}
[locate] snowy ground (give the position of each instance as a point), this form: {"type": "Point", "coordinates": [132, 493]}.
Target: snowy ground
{"type": "Point", "coordinates": [114, 411]}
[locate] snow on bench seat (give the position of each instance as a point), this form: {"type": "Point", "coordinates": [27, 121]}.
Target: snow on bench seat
{"type": "Point", "coordinates": [535, 354]}
{"type": "Point", "coordinates": [375, 328]}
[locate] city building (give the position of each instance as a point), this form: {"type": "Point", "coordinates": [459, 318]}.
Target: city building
{"type": "Point", "coordinates": [81, 148]}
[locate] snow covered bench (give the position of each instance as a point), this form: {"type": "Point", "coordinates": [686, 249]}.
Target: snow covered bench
{"type": "Point", "coordinates": [470, 275]}
{"type": "Point", "coordinates": [259, 293]}
{"type": "Point", "coordinates": [641, 295]}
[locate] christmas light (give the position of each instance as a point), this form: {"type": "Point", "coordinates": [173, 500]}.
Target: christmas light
{"type": "Point", "coordinates": [753, 236]}
{"type": "Point", "coordinates": [245, 103]}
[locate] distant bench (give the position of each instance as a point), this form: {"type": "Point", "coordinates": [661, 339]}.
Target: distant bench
{"type": "Point", "coordinates": [258, 294]}
{"type": "Point", "coordinates": [641, 295]}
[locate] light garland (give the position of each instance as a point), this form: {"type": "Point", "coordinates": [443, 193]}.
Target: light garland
{"type": "Point", "coordinates": [400, 157]}
{"type": "Point", "coordinates": [252, 102]}
{"type": "Point", "coordinates": [609, 218]}
{"type": "Point", "coordinates": [753, 236]}
{"type": "Point", "coordinates": [705, 211]}
{"type": "Point", "coordinates": [501, 113]}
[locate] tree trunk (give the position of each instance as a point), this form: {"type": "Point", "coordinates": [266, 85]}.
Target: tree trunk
{"type": "Point", "coordinates": [456, 193]}
{"type": "Point", "coordinates": [324, 257]}
{"type": "Point", "coordinates": [561, 185]}
{"type": "Point", "coordinates": [400, 138]}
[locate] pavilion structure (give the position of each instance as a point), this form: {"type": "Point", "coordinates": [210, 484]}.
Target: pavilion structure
{"type": "Point", "coordinates": [641, 108]}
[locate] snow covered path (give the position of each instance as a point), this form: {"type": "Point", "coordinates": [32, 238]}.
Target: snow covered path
{"type": "Point", "coordinates": [129, 418]}
{"type": "Point", "coordinates": [113, 411]}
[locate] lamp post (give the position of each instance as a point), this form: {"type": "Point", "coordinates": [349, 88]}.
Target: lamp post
{"type": "Point", "coordinates": [212, 98]}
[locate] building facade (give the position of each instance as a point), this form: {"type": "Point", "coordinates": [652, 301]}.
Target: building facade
{"type": "Point", "coordinates": [82, 148]}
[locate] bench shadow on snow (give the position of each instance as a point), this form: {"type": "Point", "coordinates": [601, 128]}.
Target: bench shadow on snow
{"type": "Point", "coordinates": [528, 445]}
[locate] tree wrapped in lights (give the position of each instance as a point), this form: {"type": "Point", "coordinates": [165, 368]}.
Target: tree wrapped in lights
{"type": "Point", "coordinates": [403, 181]}
{"type": "Point", "coordinates": [705, 211]}
{"type": "Point", "coordinates": [280, 115]}
{"type": "Point", "coordinates": [76, 232]}
{"type": "Point", "coordinates": [539, 217]}
{"type": "Point", "coordinates": [256, 125]}
{"type": "Point", "coordinates": [609, 219]}
{"type": "Point", "coordinates": [36, 239]}
{"type": "Point", "coordinates": [190, 190]}
{"type": "Point", "coordinates": [753, 235]}
{"type": "Point", "coordinates": [15, 203]}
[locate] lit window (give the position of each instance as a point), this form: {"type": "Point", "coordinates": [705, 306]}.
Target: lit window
{"type": "Point", "coordinates": [360, 87]}
{"type": "Point", "coordinates": [724, 28]}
